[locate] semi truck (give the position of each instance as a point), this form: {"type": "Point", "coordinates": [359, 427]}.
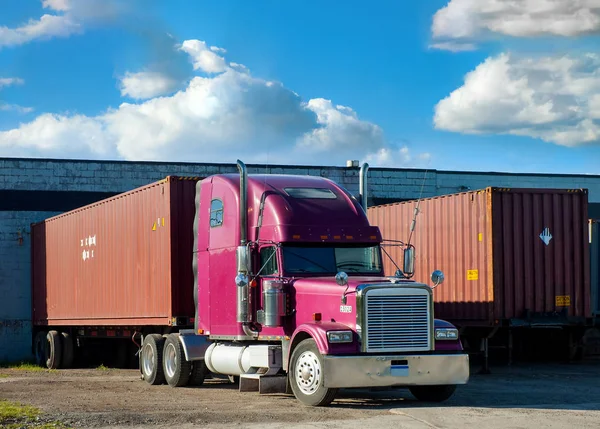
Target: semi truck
{"type": "Point", "coordinates": [274, 281]}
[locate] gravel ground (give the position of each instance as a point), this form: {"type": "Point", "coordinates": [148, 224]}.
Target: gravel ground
{"type": "Point", "coordinates": [521, 396]}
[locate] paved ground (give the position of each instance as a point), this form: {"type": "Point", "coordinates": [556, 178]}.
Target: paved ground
{"type": "Point", "coordinates": [522, 396]}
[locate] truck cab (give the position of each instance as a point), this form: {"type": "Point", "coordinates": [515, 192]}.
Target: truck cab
{"type": "Point", "coordinates": [291, 295]}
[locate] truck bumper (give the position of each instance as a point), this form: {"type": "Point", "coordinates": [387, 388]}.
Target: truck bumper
{"type": "Point", "coordinates": [399, 370]}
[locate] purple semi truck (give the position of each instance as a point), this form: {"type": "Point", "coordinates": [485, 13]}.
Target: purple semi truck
{"type": "Point", "coordinates": [290, 296]}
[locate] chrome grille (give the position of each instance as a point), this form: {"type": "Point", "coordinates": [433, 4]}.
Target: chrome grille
{"type": "Point", "coordinates": [397, 322]}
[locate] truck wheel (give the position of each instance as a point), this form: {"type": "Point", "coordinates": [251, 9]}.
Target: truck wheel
{"type": "Point", "coordinates": [53, 350]}
{"type": "Point", "coordinates": [198, 373]}
{"type": "Point", "coordinates": [177, 369]}
{"type": "Point", "coordinates": [151, 358]}
{"type": "Point", "coordinates": [68, 350]}
{"type": "Point", "coordinates": [306, 375]}
{"type": "Point", "coordinates": [433, 393]}
{"type": "Point", "coordinates": [39, 348]}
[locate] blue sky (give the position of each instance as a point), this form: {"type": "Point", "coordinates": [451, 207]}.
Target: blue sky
{"type": "Point", "coordinates": [165, 81]}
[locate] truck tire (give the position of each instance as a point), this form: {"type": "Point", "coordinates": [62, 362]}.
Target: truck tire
{"type": "Point", "coordinates": [306, 375]}
{"type": "Point", "coordinates": [68, 350]}
{"type": "Point", "coordinates": [176, 368]}
{"type": "Point", "coordinates": [39, 348]}
{"type": "Point", "coordinates": [53, 350]}
{"type": "Point", "coordinates": [433, 393]}
{"type": "Point", "coordinates": [198, 373]}
{"type": "Point", "coordinates": [151, 358]}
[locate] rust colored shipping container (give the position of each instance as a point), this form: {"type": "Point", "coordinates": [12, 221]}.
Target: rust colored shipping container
{"type": "Point", "coordinates": [507, 254]}
{"type": "Point", "coordinates": [595, 264]}
{"type": "Point", "coordinates": [124, 261]}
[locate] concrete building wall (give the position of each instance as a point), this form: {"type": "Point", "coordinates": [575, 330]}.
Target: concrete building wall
{"type": "Point", "coordinates": [32, 190]}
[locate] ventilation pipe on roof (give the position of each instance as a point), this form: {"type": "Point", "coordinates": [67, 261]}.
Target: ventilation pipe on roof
{"type": "Point", "coordinates": [363, 185]}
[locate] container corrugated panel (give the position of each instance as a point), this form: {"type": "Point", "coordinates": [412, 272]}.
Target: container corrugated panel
{"type": "Point", "coordinates": [595, 264]}
{"type": "Point", "coordinates": [490, 246]}
{"type": "Point", "coordinates": [124, 261]}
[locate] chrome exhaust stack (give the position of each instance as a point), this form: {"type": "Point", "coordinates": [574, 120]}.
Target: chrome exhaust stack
{"type": "Point", "coordinates": [242, 254]}
{"type": "Point", "coordinates": [363, 185]}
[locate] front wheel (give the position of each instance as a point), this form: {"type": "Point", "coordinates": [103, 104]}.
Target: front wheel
{"type": "Point", "coordinates": [306, 375]}
{"type": "Point", "coordinates": [433, 393]}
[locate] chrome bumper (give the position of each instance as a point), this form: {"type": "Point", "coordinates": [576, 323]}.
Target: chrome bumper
{"type": "Point", "coordinates": [383, 371]}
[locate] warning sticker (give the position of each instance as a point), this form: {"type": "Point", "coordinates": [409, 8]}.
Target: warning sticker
{"type": "Point", "coordinates": [472, 274]}
{"type": "Point", "coordinates": [563, 300]}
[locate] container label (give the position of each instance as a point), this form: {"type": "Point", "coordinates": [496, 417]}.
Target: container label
{"type": "Point", "coordinates": [546, 236]}
{"type": "Point", "coordinates": [86, 243]}
{"type": "Point", "coordinates": [480, 236]}
{"type": "Point", "coordinates": [563, 300]}
{"type": "Point", "coordinates": [472, 274]}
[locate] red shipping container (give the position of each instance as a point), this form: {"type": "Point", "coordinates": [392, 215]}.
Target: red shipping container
{"type": "Point", "coordinates": [124, 261]}
{"type": "Point", "coordinates": [506, 253]}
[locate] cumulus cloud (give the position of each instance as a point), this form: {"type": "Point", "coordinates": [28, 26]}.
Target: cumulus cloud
{"type": "Point", "coordinates": [146, 84]}
{"type": "Point", "coordinates": [398, 157]}
{"type": "Point", "coordinates": [204, 58]}
{"type": "Point", "coordinates": [556, 99]}
{"type": "Point", "coordinates": [227, 112]}
{"type": "Point", "coordinates": [10, 81]}
{"type": "Point", "coordinates": [46, 27]}
{"type": "Point", "coordinates": [476, 19]}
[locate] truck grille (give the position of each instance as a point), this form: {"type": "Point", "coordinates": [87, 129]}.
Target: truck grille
{"type": "Point", "coordinates": [397, 322]}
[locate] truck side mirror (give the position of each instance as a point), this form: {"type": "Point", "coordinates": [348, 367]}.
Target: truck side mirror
{"type": "Point", "coordinates": [437, 277]}
{"type": "Point", "coordinates": [409, 261]}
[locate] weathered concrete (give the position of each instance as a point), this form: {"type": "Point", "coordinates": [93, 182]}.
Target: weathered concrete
{"type": "Point", "coordinates": [21, 176]}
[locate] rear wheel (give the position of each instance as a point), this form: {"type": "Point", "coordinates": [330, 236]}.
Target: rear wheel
{"type": "Point", "coordinates": [177, 369]}
{"type": "Point", "coordinates": [53, 350]}
{"type": "Point", "coordinates": [306, 375]}
{"type": "Point", "coordinates": [151, 358]}
{"type": "Point", "coordinates": [68, 350]}
{"type": "Point", "coordinates": [433, 393]}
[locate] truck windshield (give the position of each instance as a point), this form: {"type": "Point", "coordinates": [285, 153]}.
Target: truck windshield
{"type": "Point", "coordinates": [330, 259]}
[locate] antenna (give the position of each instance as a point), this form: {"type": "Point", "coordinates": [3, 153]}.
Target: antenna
{"type": "Point", "coordinates": [414, 221]}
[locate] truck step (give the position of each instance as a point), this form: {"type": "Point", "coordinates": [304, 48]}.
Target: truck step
{"type": "Point", "coordinates": [263, 384]}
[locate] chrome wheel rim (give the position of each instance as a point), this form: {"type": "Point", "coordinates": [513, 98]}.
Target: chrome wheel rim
{"type": "Point", "coordinates": [308, 373]}
{"type": "Point", "coordinates": [148, 359]}
{"type": "Point", "coordinates": [170, 358]}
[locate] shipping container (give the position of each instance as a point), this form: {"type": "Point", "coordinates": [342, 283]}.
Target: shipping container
{"type": "Point", "coordinates": [509, 255]}
{"type": "Point", "coordinates": [595, 265]}
{"type": "Point", "coordinates": [123, 261]}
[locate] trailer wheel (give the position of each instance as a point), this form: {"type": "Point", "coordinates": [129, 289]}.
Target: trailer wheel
{"type": "Point", "coordinates": [39, 348]}
{"type": "Point", "coordinates": [53, 350]}
{"type": "Point", "coordinates": [433, 393]}
{"type": "Point", "coordinates": [68, 350]}
{"type": "Point", "coordinates": [177, 369]}
{"type": "Point", "coordinates": [306, 375]}
{"type": "Point", "coordinates": [151, 358]}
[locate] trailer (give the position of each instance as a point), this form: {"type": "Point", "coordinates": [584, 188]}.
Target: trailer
{"type": "Point", "coordinates": [274, 281]}
{"type": "Point", "coordinates": [515, 259]}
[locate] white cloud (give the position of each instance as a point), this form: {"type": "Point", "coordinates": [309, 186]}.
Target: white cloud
{"type": "Point", "coordinates": [453, 46]}
{"type": "Point", "coordinates": [58, 5]}
{"type": "Point", "coordinates": [204, 58]}
{"type": "Point", "coordinates": [46, 27]}
{"type": "Point", "coordinates": [146, 84]}
{"type": "Point", "coordinates": [552, 98]}
{"type": "Point", "coordinates": [15, 107]}
{"type": "Point", "coordinates": [475, 19]}
{"type": "Point", "coordinates": [10, 81]}
{"type": "Point", "coordinates": [400, 157]}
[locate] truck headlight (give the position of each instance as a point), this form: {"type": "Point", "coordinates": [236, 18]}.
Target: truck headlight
{"type": "Point", "coordinates": [339, 336]}
{"type": "Point", "coordinates": [446, 334]}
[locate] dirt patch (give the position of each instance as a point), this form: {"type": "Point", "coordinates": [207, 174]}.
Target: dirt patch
{"type": "Point", "coordinates": [94, 398]}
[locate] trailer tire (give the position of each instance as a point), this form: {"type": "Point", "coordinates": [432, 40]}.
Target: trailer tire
{"type": "Point", "coordinates": [68, 350]}
{"type": "Point", "coordinates": [53, 350]}
{"type": "Point", "coordinates": [39, 348]}
{"type": "Point", "coordinates": [151, 357]}
{"type": "Point", "coordinates": [176, 367]}
{"type": "Point", "coordinates": [306, 375]}
{"type": "Point", "coordinates": [433, 393]}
